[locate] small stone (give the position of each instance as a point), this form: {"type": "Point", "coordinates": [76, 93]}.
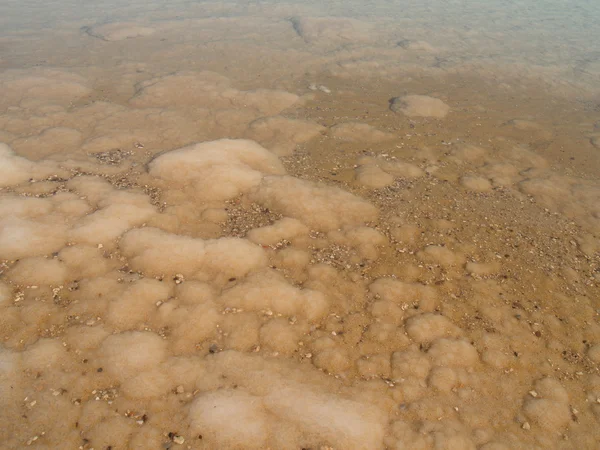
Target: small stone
{"type": "Point", "coordinates": [526, 426]}
{"type": "Point", "coordinates": [178, 439]}
{"type": "Point", "coordinates": [533, 394]}
{"type": "Point", "coordinates": [179, 389]}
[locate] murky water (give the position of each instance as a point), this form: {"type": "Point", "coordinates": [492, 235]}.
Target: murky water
{"type": "Point", "coordinates": [342, 225]}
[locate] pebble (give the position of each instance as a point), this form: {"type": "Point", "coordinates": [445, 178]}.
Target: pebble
{"type": "Point", "coordinates": [526, 426]}
{"type": "Point", "coordinates": [179, 389]}
{"type": "Point", "coordinates": [178, 278]}
{"type": "Point", "coordinates": [533, 394]}
{"type": "Point", "coordinates": [178, 439]}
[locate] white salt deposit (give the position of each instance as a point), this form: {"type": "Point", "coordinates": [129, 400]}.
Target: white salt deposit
{"type": "Point", "coordinates": [156, 252]}
{"type": "Point", "coordinates": [127, 354]}
{"type": "Point", "coordinates": [420, 106]}
{"type": "Point", "coordinates": [217, 170]}
{"type": "Point", "coordinates": [358, 132]}
{"type": "Point", "coordinates": [15, 169]}
{"type": "Point", "coordinates": [119, 31]}
{"type": "Point", "coordinates": [285, 228]}
{"type": "Point", "coordinates": [318, 206]}
{"type": "Point", "coordinates": [281, 135]}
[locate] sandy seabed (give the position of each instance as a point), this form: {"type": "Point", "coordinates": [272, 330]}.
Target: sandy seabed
{"type": "Point", "coordinates": [294, 231]}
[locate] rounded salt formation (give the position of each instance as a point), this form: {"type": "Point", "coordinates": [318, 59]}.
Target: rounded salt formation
{"type": "Point", "coordinates": [156, 253]}
{"type": "Point", "coordinates": [211, 90]}
{"type": "Point", "coordinates": [429, 327]}
{"type": "Point", "coordinates": [482, 269]}
{"type": "Point", "coordinates": [285, 228]}
{"type": "Point", "coordinates": [136, 305]}
{"type": "Point", "coordinates": [420, 106]}
{"type": "Point", "coordinates": [218, 170]}
{"type": "Point", "coordinates": [374, 366]}
{"type": "Point", "coordinates": [372, 176]}
{"type": "Point", "coordinates": [399, 292]}
{"type": "Point", "coordinates": [127, 354]}
{"type": "Point", "coordinates": [475, 183]}
{"type": "Point", "coordinates": [281, 135]}
{"type": "Point", "coordinates": [118, 31]}
{"type": "Point", "coordinates": [20, 238]}
{"type": "Point", "coordinates": [317, 205]}
{"type": "Point", "coordinates": [269, 290]}
{"type": "Point", "coordinates": [453, 353]}
{"type": "Point", "coordinates": [549, 408]}
{"type": "Point", "coordinates": [38, 271]}
{"type": "Point", "coordinates": [280, 335]}
{"type": "Point", "coordinates": [15, 169]}
{"type": "Point", "coordinates": [443, 379]}
{"type": "Point", "coordinates": [594, 353]}
{"type": "Point", "coordinates": [230, 419]}
{"type": "Point", "coordinates": [330, 356]}
{"type": "Point", "coordinates": [49, 141]}
{"type": "Point", "coordinates": [358, 132]}
{"type": "Point", "coordinates": [443, 256]}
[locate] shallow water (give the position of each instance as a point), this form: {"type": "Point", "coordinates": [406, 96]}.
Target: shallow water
{"type": "Point", "coordinates": [300, 225]}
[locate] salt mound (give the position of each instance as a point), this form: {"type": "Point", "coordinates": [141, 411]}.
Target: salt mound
{"type": "Point", "coordinates": [531, 129]}
{"type": "Point", "coordinates": [377, 173]}
{"type": "Point", "coordinates": [420, 106]}
{"type": "Point", "coordinates": [437, 254]}
{"type": "Point", "coordinates": [269, 290]}
{"type": "Point", "coordinates": [358, 132]}
{"type": "Point", "coordinates": [331, 29]}
{"type": "Point", "coordinates": [373, 176]}
{"type": "Point", "coordinates": [212, 91]}
{"type": "Point", "coordinates": [281, 135]}
{"type": "Point", "coordinates": [285, 228]}
{"type": "Point", "coordinates": [126, 354]}
{"type": "Point", "coordinates": [595, 141]}
{"type": "Point", "coordinates": [48, 142]}
{"type": "Point", "coordinates": [396, 291]}
{"type": "Point", "coordinates": [365, 239]}
{"type": "Point", "coordinates": [156, 253]}
{"type": "Point", "coordinates": [453, 353]}
{"type": "Point", "coordinates": [319, 206]}
{"type": "Point", "coordinates": [218, 170]}
{"type": "Point", "coordinates": [429, 327]}
{"type": "Point", "coordinates": [15, 169]}
{"type": "Point", "coordinates": [469, 153]}
{"type": "Point", "coordinates": [136, 304]}
{"type": "Point", "coordinates": [282, 405]}
{"type": "Point", "coordinates": [343, 423]}
{"type": "Point", "coordinates": [20, 238]}
{"type": "Point", "coordinates": [5, 294]}
{"type": "Point", "coordinates": [106, 224]}
{"type": "Point", "coordinates": [549, 408]}
{"type": "Point", "coordinates": [475, 183]}
{"type": "Point", "coordinates": [41, 88]}
{"type": "Point", "coordinates": [118, 31]}
{"type": "Point", "coordinates": [38, 271]}
{"type": "Point", "coordinates": [230, 418]}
